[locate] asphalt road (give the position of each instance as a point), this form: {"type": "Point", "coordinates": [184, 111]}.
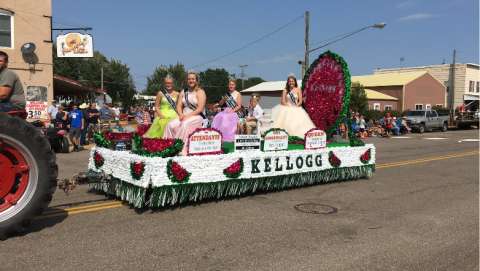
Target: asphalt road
{"type": "Point", "coordinates": [418, 212]}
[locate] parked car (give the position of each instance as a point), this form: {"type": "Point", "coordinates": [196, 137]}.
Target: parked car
{"type": "Point", "coordinates": [426, 120]}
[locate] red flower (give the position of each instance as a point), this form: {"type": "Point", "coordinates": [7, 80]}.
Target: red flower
{"type": "Point", "coordinates": [333, 159]}
{"type": "Point", "coordinates": [157, 144]}
{"type": "Point", "coordinates": [98, 160]}
{"type": "Point", "coordinates": [366, 156]}
{"type": "Point", "coordinates": [142, 129]}
{"type": "Point", "coordinates": [235, 169]}
{"type": "Point", "coordinates": [324, 91]}
{"type": "Point", "coordinates": [137, 169]}
{"type": "Point", "coordinates": [177, 173]}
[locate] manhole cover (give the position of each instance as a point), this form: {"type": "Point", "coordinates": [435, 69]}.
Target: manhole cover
{"type": "Point", "coordinates": [315, 208]}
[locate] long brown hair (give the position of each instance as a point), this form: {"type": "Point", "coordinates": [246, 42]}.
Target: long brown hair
{"type": "Point", "coordinates": [287, 86]}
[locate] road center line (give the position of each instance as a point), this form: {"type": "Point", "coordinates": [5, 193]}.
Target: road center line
{"type": "Point", "coordinates": [116, 204]}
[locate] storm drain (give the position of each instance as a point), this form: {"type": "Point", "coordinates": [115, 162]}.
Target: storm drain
{"type": "Point", "coordinates": [315, 208]}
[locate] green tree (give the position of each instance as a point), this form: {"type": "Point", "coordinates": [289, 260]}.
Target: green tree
{"type": "Point", "coordinates": [358, 98]}
{"type": "Point", "coordinates": [155, 82]}
{"type": "Point", "coordinates": [215, 83]}
{"type": "Point", "coordinates": [119, 82]}
{"type": "Point", "coordinates": [117, 79]}
{"type": "Point", "coordinates": [250, 82]}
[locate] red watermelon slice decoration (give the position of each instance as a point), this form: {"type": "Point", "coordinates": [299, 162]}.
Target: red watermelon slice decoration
{"type": "Point", "coordinates": [366, 156]}
{"type": "Point", "coordinates": [326, 90]}
{"type": "Point", "coordinates": [333, 159]}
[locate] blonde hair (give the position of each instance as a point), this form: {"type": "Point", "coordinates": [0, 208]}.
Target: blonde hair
{"type": "Point", "coordinates": [197, 77]}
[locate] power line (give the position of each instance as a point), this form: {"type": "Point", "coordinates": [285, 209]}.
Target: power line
{"type": "Point", "coordinates": [250, 43]}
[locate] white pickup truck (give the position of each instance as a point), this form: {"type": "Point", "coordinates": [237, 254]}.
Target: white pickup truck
{"type": "Point", "coordinates": [423, 120]}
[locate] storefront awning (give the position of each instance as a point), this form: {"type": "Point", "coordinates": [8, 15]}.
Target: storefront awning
{"type": "Point", "coordinates": [471, 97]}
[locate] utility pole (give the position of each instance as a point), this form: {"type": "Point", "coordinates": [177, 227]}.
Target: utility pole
{"type": "Point", "coordinates": [451, 92]}
{"type": "Point", "coordinates": [242, 73]}
{"type": "Point", "coordinates": [306, 62]}
{"type": "Point", "coordinates": [101, 77]}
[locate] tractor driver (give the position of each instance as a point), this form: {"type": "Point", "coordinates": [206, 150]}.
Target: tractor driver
{"type": "Point", "coordinates": [12, 97]}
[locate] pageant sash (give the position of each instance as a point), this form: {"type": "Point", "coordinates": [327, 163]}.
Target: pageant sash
{"type": "Point", "coordinates": [190, 105]}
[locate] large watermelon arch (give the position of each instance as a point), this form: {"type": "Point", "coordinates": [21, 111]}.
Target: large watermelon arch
{"type": "Point", "coordinates": [326, 90]}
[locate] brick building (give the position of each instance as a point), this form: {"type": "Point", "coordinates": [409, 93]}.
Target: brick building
{"type": "Point", "coordinates": [415, 90]}
{"type": "Point", "coordinates": [22, 22]}
{"type": "Point", "coordinates": [464, 77]}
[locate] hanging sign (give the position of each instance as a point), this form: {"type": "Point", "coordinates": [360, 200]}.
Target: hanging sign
{"type": "Point", "coordinates": [315, 139]}
{"type": "Point", "coordinates": [275, 140]}
{"type": "Point", "coordinates": [74, 45]}
{"type": "Point", "coordinates": [205, 141]}
{"type": "Point", "coordinates": [247, 142]}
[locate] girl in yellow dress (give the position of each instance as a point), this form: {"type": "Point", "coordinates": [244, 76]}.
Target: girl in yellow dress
{"type": "Point", "coordinates": [165, 105]}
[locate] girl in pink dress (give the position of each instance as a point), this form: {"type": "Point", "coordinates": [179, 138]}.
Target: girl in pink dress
{"type": "Point", "coordinates": [190, 108]}
{"type": "Point", "coordinates": [227, 120]}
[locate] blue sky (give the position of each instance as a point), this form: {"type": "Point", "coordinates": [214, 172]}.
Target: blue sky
{"type": "Point", "coordinates": [145, 34]}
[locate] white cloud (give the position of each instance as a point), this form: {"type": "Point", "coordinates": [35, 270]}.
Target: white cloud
{"type": "Point", "coordinates": [405, 4]}
{"type": "Point", "coordinates": [416, 16]}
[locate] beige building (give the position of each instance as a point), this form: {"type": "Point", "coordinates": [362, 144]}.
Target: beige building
{"type": "Point", "coordinates": [467, 80]}
{"type": "Point", "coordinates": [415, 90]}
{"type": "Point", "coordinates": [23, 22]}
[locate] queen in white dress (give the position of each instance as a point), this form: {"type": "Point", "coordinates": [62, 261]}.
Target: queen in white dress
{"type": "Point", "coordinates": [289, 114]}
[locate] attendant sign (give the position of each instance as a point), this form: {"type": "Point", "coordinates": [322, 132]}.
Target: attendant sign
{"type": "Point", "coordinates": [205, 141]}
{"type": "Point", "coordinates": [275, 140]}
{"type": "Point", "coordinates": [315, 139]}
{"type": "Point", "coordinates": [247, 142]}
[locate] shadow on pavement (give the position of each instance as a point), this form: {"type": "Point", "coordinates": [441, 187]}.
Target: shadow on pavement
{"type": "Point", "coordinates": [49, 218]}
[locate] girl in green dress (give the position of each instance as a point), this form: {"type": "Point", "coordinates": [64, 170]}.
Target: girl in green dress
{"type": "Point", "coordinates": [164, 109]}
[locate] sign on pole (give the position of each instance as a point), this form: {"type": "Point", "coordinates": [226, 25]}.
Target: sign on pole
{"type": "Point", "coordinates": [74, 45]}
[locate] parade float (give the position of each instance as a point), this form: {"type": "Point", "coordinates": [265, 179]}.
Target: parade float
{"type": "Point", "coordinates": [148, 172]}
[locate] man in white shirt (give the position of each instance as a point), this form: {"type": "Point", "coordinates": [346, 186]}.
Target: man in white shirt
{"type": "Point", "coordinates": [52, 110]}
{"type": "Point", "coordinates": [116, 112]}
{"type": "Point", "coordinates": [255, 112]}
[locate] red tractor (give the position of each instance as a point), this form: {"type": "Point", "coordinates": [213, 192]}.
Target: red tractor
{"type": "Point", "coordinates": [28, 172]}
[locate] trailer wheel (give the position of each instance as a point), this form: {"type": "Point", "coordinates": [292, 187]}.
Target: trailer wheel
{"type": "Point", "coordinates": [28, 174]}
{"type": "Point", "coordinates": [421, 128]}
{"type": "Point", "coordinates": [444, 127]}
{"type": "Point", "coordinates": [64, 145]}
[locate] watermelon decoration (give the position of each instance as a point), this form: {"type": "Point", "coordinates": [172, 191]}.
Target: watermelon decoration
{"type": "Point", "coordinates": [333, 159]}
{"type": "Point", "coordinates": [137, 169]}
{"type": "Point", "coordinates": [366, 156]}
{"type": "Point", "coordinates": [326, 90]}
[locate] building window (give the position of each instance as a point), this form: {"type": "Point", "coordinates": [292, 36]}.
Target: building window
{"type": "Point", "coordinates": [6, 28]}
{"type": "Point", "coordinates": [471, 86]}
{"type": "Point", "coordinates": [418, 106]}
{"type": "Point", "coordinates": [388, 107]}
{"type": "Point", "coordinates": [478, 86]}
{"type": "Point", "coordinates": [376, 106]}
{"type": "Point", "coordinates": [428, 107]}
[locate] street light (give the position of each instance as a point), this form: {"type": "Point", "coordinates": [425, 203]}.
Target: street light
{"type": "Point", "coordinates": [377, 25]}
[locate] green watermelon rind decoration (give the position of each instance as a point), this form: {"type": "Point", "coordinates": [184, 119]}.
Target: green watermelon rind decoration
{"type": "Point", "coordinates": [347, 82]}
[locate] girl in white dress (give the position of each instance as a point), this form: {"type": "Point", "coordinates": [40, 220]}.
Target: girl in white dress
{"type": "Point", "coordinates": [289, 114]}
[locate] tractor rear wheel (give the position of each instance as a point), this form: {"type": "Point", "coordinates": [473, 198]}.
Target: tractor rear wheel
{"type": "Point", "coordinates": [28, 174]}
